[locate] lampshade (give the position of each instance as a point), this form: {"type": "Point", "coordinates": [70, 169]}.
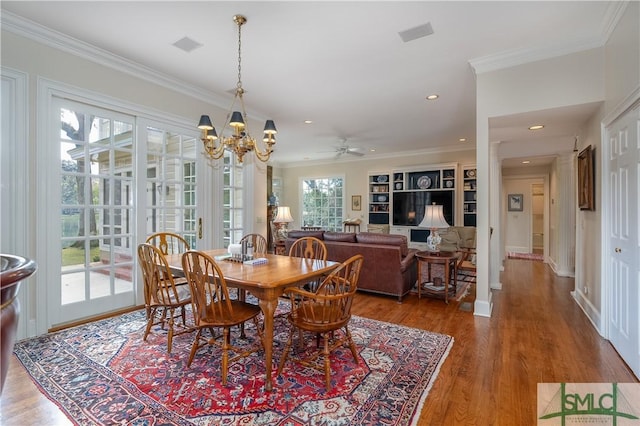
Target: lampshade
{"type": "Point", "coordinates": [236, 119]}
{"type": "Point", "coordinates": [270, 127]}
{"type": "Point", "coordinates": [284, 215]}
{"type": "Point", "coordinates": [205, 123]}
{"type": "Point", "coordinates": [433, 218]}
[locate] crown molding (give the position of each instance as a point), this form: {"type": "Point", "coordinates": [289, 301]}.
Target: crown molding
{"type": "Point", "coordinates": [515, 57]}
{"type": "Point", "coordinates": [31, 30]}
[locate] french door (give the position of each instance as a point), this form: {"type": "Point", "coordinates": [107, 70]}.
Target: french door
{"type": "Point", "coordinates": [624, 257]}
{"type": "Point", "coordinates": [112, 179]}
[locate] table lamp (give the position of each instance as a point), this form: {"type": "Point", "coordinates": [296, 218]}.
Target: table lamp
{"type": "Point", "coordinates": [283, 217]}
{"type": "Point", "coordinates": [433, 219]}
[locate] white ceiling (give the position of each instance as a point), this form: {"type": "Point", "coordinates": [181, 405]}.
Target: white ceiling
{"type": "Point", "coordinates": [343, 64]}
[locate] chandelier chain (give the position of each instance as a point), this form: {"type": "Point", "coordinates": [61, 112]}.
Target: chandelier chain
{"type": "Point", "coordinates": [239, 85]}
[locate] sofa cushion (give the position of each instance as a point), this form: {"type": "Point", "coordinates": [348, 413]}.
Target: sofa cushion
{"type": "Point", "coordinates": [467, 236]}
{"type": "Point", "coordinates": [347, 237]}
{"type": "Point", "coordinates": [450, 239]}
{"type": "Point", "coordinates": [385, 239]}
{"type": "Point", "coordinates": [300, 234]}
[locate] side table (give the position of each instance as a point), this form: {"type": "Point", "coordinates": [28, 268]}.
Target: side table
{"type": "Point", "coordinates": [449, 260]}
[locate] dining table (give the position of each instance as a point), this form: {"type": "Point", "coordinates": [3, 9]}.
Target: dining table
{"type": "Point", "coordinates": [266, 281]}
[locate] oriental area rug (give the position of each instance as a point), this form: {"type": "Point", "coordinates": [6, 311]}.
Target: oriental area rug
{"type": "Point", "coordinates": [103, 373]}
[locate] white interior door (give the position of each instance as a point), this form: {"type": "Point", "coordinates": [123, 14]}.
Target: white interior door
{"type": "Point", "coordinates": [624, 162]}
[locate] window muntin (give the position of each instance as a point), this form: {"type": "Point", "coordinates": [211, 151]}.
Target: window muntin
{"type": "Point", "coordinates": [322, 202]}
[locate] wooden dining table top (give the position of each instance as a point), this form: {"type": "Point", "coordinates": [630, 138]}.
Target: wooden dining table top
{"type": "Point", "coordinates": [279, 271]}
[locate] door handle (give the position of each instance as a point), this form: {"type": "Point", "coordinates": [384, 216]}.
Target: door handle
{"type": "Point", "coordinates": [200, 228]}
{"type": "Point", "coordinates": [618, 250]}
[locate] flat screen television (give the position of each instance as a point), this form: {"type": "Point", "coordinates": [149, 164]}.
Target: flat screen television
{"type": "Point", "coordinates": [408, 207]}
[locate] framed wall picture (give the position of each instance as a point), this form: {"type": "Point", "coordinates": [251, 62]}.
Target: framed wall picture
{"type": "Point", "coordinates": [515, 202]}
{"type": "Point", "coordinates": [356, 202]}
{"type": "Point", "coordinates": [586, 189]}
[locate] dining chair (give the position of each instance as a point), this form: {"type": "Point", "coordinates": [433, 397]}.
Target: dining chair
{"type": "Point", "coordinates": [169, 242]}
{"type": "Point", "coordinates": [259, 242]}
{"type": "Point", "coordinates": [162, 297]}
{"type": "Point", "coordinates": [213, 308]}
{"type": "Point", "coordinates": [326, 312]}
{"type": "Point", "coordinates": [308, 248]}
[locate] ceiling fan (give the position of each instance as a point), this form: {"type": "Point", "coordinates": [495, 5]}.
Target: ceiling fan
{"type": "Point", "coordinates": [344, 148]}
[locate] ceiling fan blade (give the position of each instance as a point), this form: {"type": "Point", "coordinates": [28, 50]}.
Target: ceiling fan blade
{"type": "Point", "coordinates": [359, 154]}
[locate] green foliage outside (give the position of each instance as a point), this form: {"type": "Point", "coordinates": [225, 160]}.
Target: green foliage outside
{"type": "Point", "coordinates": [75, 256]}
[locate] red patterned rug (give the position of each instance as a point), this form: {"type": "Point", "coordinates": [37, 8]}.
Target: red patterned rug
{"type": "Point", "coordinates": [526, 256]}
{"type": "Point", "coordinates": [102, 373]}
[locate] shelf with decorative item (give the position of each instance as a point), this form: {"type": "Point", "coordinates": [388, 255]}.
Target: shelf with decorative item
{"type": "Point", "coordinates": [428, 179]}
{"type": "Point", "coordinates": [379, 197]}
{"type": "Point", "coordinates": [469, 195]}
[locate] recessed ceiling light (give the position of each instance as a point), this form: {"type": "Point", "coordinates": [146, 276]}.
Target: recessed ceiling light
{"type": "Point", "coordinates": [432, 97]}
{"type": "Point", "coordinates": [526, 162]}
{"type": "Point", "coordinates": [372, 150]}
{"type": "Point", "coordinates": [308, 121]}
{"type": "Point", "coordinates": [536, 127]}
{"type": "Point", "coordinates": [462, 139]}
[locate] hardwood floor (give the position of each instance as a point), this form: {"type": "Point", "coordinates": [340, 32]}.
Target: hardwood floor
{"type": "Point", "coordinates": [536, 333]}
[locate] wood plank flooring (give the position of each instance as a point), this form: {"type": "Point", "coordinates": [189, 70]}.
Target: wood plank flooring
{"type": "Point", "coordinates": [536, 333]}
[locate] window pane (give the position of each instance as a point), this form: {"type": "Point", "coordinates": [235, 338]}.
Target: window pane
{"type": "Point", "coordinates": [322, 203]}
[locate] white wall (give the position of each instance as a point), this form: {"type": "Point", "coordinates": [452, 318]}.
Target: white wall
{"type": "Point", "coordinates": [518, 225]}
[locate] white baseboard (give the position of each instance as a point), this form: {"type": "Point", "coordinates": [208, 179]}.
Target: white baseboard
{"type": "Point", "coordinates": [483, 308]}
{"type": "Point", "coordinates": [589, 310]}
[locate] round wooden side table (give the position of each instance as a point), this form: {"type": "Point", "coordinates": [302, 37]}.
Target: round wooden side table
{"type": "Point", "coordinates": [450, 261]}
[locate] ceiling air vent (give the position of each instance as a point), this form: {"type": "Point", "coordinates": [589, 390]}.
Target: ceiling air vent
{"type": "Point", "coordinates": [416, 32]}
{"type": "Point", "coordinates": [187, 44]}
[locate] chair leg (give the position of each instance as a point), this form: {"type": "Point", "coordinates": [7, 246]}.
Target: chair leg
{"type": "Point", "coordinates": [150, 318]}
{"type": "Point", "coordinates": [327, 364]}
{"type": "Point", "coordinates": [242, 296]}
{"type": "Point", "coordinates": [285, 354]}
{"type": "Point", "coordinates": [225, 355]}
{"type": "Point", "coordinates": [170, 337]}
{"type": "Point", "coordinates": [352, 346]}
{"type": "Point", "coordinates": [194, 347]}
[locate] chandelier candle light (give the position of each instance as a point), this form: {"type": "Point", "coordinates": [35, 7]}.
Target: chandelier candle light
{"type": "Point", "coordinates": [240, 141]}
{"type": "Point", "coordinates": [433, 219]}
{"type": "Point", "coordinates": [283, 217]}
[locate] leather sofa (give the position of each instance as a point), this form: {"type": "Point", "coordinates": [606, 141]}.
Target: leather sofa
{"type": "Point", "coordinates": [389, 264]}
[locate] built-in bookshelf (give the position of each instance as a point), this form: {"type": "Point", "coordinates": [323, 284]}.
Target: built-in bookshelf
{"type": "Point", "coordinates": [379, 198]}
{"type": "Point", "coordinates": [413, 190]}
{"type": "Point", "coordinates": [469, 196]}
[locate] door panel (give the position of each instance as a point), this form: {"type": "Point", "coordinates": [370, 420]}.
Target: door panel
{"type": "Point", "coordinates": [624, 317]}
{"type": "Point", "coordinates": [95, 175]}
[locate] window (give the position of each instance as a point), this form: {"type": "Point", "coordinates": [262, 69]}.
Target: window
{"type": "Point", "coordinates": [322, 203]}
{"type": "Point", "coordinates": [232, 199]}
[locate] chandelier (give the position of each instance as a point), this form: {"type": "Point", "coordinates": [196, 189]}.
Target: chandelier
{"type": "Point", "coordinates": [240, 141]}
